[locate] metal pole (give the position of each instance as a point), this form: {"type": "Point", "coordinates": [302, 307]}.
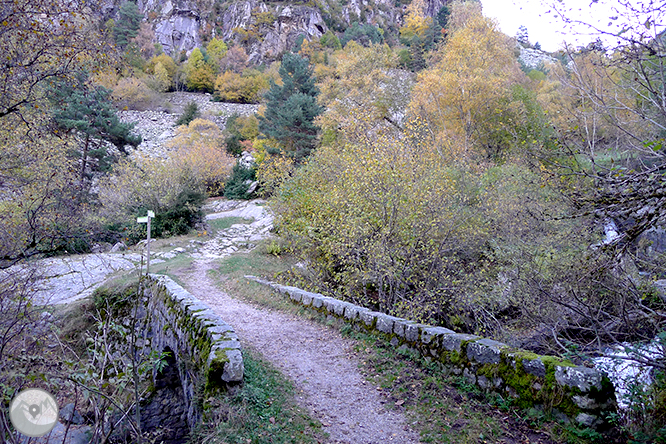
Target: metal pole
{"type": "Point", "coordinates": [148, 247]}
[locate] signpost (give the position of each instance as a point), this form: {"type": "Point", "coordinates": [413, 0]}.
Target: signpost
{"type": "Point", "coordinates": [146, 220]}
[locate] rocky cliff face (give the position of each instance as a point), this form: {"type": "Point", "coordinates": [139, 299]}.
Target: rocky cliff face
{"type": "Point", "coordinates": [265, 29]}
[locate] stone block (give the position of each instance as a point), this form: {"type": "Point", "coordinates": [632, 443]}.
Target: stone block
{"type": "Point", "coordinates": [353, 311]}
{"type": "Point", "coordinates": [224, 344]}
{"type": "Point", "coordinates": [585, 403]}
{"type": "Point", "coordinates": [306, 298]}
{"type": "Point", "coordinates": [369, 317]}
{"type": "Point", "coordinates": [334, 306]}
{"type": "Point", "coordinates": [318, 300]}
{"type": "Point", "coordinates": [233, 369]}
{"type": "Point", "coordinates": [400, 326]}
{"type": "Point", "coordinates": [221, 329]}
{"type": "Point", "coordinates": [385, 323]}
{"type": "Point", "coordinates": [413, 331]}
{"type": "Point", "coordinates": [582, 378]}
{"type": "Point", "coordinates": [534, 367]}
{"type": "Point", "coordinates": [430, 334]}
{"type": "Point", "coordinates": [587, 420]}
{"type": "Point", "coordinates": [296, 296]}
{"type": "Point", "coordinates": [485, 351]}
{"type": "Point", "coordinates": [341, 307]}
{"type": "Point", "coordinates": [453, 341]}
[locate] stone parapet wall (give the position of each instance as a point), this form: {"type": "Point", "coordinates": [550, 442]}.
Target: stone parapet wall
{"type": "Point", "coordinates": [573, 393]}
{"type": "Point", "coordinates": [206, 348]}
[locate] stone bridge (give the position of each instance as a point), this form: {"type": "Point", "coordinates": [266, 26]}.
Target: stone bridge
{"type": "Point", "coordinates": [205, 353]}
{"type": "Point", "coordinates": [572, 393]}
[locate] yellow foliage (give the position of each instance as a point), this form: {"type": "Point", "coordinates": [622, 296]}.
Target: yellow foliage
{"type": "Point", "coordinates": [201, 78]}
{"type": "Point", "coordinates": [362, 84]}
{"type": "Point", "coordinates": [132, 93]}
{"type": "Point", "coordinates": [107, 79]}
{"type": "Point", "coordinates": [273, 171]}
{"type": "Point", "coordinates": [166, 61]}
{"type": "Point", "coordinates": [233, 87]}
{"type": "Point", "coordinates": [39, 190]}
{"type": "Point", "coordinates": [161, 78]}
{"type": "Point", "coordinates": [468, 87]}
{"type": "Point", "coordinates": [216, 50]}
{"type": "Point", "coordinates": [199, 150]}
{"type": "Point", "coordinates": [416, 22]}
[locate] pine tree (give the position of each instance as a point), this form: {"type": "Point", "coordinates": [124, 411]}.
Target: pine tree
{"type": "Point", "coordinates": [292, 108]}
{"type": "Point", "coordinates": [86, 109]}
{"type": "Point", "coordinates": [523, 36]}
{"type": "Point", "coordinates": [128, 24]}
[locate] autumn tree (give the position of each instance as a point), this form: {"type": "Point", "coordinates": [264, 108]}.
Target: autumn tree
{"type": "Point", "coordinates": [292, 107]}
{"type": "Point", "coordinates": [42, 42]}
{"type": "Point", "coordinates": [365, 34]}
{"type": "Point", "coordinates": [199, 149]}
{"type": "Point", "coordinates": [216, 50]}
{"type": "Point", "coordinates": [419, 32]}
{"type": "Point", "coordinates": [163, 82]}
{"type": "Point", "coordinates": [468, 86]}
{"type": "Point", "coordinates": [31, 61]}
{"type": "Point", "coordinates": [364, 80]}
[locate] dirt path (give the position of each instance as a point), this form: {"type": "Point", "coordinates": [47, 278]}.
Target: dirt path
{"type": "Point", "coordinates": [317, 359]}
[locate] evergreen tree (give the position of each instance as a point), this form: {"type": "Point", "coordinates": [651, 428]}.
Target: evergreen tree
{"type": "Point", "coordinates": [292, 108]}
{"type": "Point", "coordinates": [87, 110]}
{"type": "Point", "coordinates": [128, 23]}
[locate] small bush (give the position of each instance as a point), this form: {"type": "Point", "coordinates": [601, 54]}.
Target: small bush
{"type": "Point", "coordinates": [180, 217]}
{"type": "Point", "coordinates": [200, 152]}
{"type": "Point", "coordinates": [132, 93]}
{"type": "Point", "coordinates": [167, 188]}
{"type": "Point", "coordinates": [190, 113]}
{"type": "Point", "coordinates": [237, 186]}
{"type": "Point", "coordinates": [237, 88]}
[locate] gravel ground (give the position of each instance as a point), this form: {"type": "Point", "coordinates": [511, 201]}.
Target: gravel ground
{"type": "Point", "coordinates": [317, 359]}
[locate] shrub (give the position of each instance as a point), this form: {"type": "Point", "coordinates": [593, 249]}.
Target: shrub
{"type": "Point", "coordinates": [273, 172]}
{"type": "Point", "coordinates": [365, 35]}
{"type": "Point", "coordinates": [245, 88]}
{"type": "Point", "coordinates": [166, 187]}
{"type": "Point", "coordinates": [201, 79]}
{"type": "Point", "coordinates": [200, 151]}
{"type": "Point", "coordinates": [237, 185]}
{"type": "Point", "coordinates": [132, 93]}
{"type": "Point", "coordinates": [190, 113]}
{"type": "Point", "coordinates": [330, 40]}
{"type": "Point", "coordinates": [167, 62]}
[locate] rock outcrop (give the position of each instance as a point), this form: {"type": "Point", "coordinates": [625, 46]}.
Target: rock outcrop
{"type": "Point", "coordinates": [532, 58]}
{"type": "Point", "coordinates": [265, 29]}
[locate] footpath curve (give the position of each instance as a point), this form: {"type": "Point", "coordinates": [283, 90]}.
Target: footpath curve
{"type": "Point", "coordinates": [318, 360]}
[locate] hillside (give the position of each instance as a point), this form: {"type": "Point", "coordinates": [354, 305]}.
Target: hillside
{"type": "Point", "coordinates": [265, 29]}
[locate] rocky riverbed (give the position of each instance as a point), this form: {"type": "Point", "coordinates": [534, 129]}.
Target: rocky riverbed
{"type": "Point", "coordinates": [69, 278]}
{"type": "Point", "coordinates": [157, 128]}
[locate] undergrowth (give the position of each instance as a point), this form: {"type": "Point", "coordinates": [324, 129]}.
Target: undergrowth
{"type": "Point", "coordinates": [442, 408]}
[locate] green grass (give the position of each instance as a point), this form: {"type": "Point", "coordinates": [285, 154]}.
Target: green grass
{"type": "Point", "coordinates": [230, 273]}
{"type": "Point", "coordinates": [263, 410]}
{"type": "Point", "coordinates": [446, 408]}
{"type": "Point", "coordinates": [225, 222]}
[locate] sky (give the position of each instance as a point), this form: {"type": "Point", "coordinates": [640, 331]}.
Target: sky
{"type": "Point", "coordinates": [545, 27]}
